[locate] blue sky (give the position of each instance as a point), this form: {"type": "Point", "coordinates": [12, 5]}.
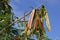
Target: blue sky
{"type": "Point", "coordinates": [53, 8]}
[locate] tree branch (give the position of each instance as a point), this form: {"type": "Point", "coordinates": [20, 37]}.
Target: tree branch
{"type": "Point", "coordinates": [13, 23]}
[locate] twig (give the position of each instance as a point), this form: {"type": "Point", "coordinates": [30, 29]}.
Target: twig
{"type": "Point", "coordinates": [13, 23]}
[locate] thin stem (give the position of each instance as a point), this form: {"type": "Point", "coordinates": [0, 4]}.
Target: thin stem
{"type": "Point", "coordinates": [13, 23]}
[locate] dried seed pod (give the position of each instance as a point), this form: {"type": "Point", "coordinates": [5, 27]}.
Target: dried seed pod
{"type": "Point", "coordinates": [25, 31]}
{"type": "Point", "coordinates": [35, 25]}
{"type": "Point", "coordinates": [31, 19]}
{"type": "Point", "coordinates": [28, 32]}
{"type": "Point", "coordinates": [47, 22]}
{"type": "Point", "coordinates": [36, 22]}
{"type": "Point", "coordinates": [41, 27]}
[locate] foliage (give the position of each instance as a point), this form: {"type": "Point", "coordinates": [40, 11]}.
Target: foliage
{"type": "Point", "coordinates": [6, 32]}
{"type": "Point", "coordinates": [7, 21]}
{"type": "Point", "coordinates": [36, 27]}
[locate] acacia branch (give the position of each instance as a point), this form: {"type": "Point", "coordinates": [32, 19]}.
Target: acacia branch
{"type": "Point", "coordinates": [13, 23]}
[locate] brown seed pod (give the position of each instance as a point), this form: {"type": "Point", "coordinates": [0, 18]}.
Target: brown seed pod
{"type": "Point", "coordinates": [38, 25]}
{"type": "Point", "coordinates": [41, 25]}
{"type": "Point", "coordinates": [36, 22]}
{"type": "Point", "coordinates": [31, 19]}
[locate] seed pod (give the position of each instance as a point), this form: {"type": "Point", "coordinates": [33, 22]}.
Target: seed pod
{"type": "Point", "coordinates": [28, 32]}
{"type": "Point", "coordinates": [47, 22]}
{"type": "Point", "coordinates": [36, 22]}
{"type": "Point", "coordinates": [31, 19]}
{"type": "Point", "coordinates": [25, 31]}
{"type": "Point", "coordinates": [41, 25]}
